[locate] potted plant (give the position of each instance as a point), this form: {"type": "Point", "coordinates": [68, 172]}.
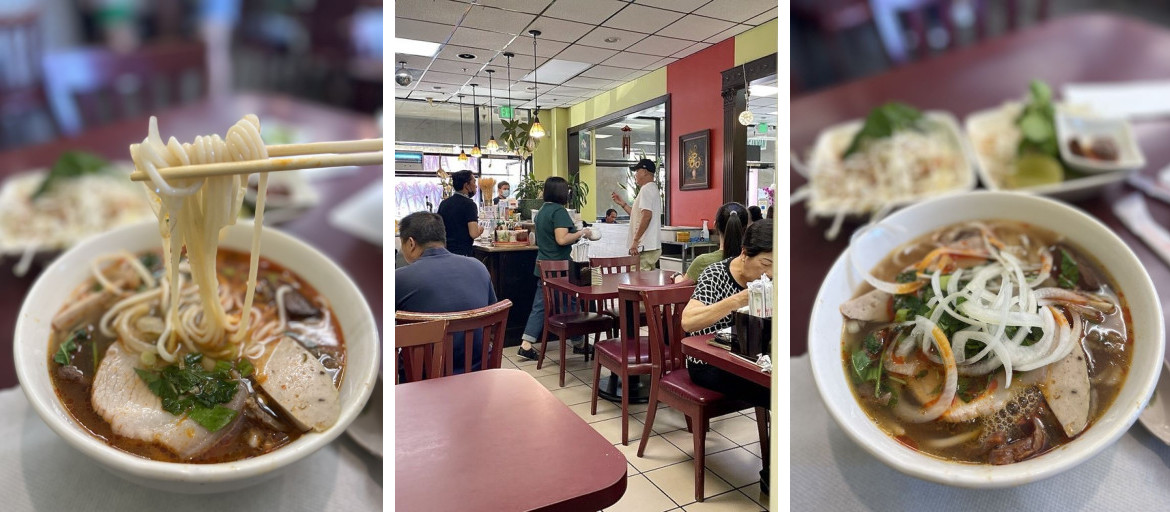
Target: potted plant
{"type": "Point", "coordinates": [516, 140]}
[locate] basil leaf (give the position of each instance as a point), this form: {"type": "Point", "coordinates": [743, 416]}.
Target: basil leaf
{"type": "Point", "coordinates": [1070, 274]}
{"type": "Point", "coordinates": [67, 347]}
{"type": "Point", "coordinates": [872, 344]}
{"type": "Point", "coordinates": [71, 164]}
{"type": "Point", "coordinates": [214, 418]}
{"type": "Point", "coordinates": [883, 122]}
{"type": "Point", "coordinates": [860, 363]}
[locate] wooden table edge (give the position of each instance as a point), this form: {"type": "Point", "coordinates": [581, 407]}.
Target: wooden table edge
{"type": "Point", "coordinates": [757, 377]}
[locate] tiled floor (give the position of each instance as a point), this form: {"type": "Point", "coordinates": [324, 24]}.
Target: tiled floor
{"type": "Point", "coordinates": [664, 478]}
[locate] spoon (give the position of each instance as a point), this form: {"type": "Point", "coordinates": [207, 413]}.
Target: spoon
{"type": "Point", "coordinates": [1156, 417]}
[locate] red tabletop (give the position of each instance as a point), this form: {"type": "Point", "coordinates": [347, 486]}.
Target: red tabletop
{"type": "Point", "coordinates": [1086, 48]}
{"type": "Point", "coordinates": [698, 348]}
{"type": "Point", "coordinates": [608, 289]}
{"type": "Point", "coordinates": [360, 259]}
{"type": "Point", "coordinates": [497, 440]}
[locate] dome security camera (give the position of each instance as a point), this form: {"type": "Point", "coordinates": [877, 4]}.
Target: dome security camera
{"type": "Point", "coordinates": [402, 77]}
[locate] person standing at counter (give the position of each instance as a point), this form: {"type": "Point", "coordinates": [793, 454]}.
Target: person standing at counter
{"type": "Point", "coordinates": [645, 224]}
{"type": "Point", "coordinates": [502, 189]}
{"type": "Point", "coordinates": [461, 215]}
{"type": "Point", "coordinates": [555, 235]}
{"type": "Point", "coordinates": [417, 289]}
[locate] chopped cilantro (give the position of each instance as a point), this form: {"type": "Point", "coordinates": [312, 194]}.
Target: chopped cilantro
{"type": "Point", "coordinates": [149, 260]}
{"type": "Point", "coordinates": [872, 344]}
{"type": "Point", "coordinates": [188, 388]}
{"type": "Point", "coordinates": [1070, 275]}
{"type": "Point", "coordinates": [908, 276]}
{"type": "Point", "coordinates": [63, 356]}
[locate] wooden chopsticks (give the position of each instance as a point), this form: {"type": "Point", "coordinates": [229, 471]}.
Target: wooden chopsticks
{"type": "Point", "coordinates": [284, 157]}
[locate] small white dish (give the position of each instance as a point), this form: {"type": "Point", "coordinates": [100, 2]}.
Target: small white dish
{"type": "Point", "coordinates": [1084, 128]}
{"type": "Point", "coordinates": [827, 324]}
{"type": "Point", "coordinates": [994, 139]}
{"type": "Point", "coordinates": [361, 214]}
{"type": "Point", "coordinates": [1156, 416]}
{"type": "Point", "coordinates": [366, 429]}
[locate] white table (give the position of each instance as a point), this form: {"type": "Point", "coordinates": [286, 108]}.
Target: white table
{"type": "Point", "coordinates": [832, 473]}
{"type": "Point", "coordinates": [39, 471]}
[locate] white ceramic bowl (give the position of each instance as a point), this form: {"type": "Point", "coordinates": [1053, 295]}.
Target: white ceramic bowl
{"type": "Point", "coordinates": [72, 268]}
{"type": "Point", "coordinates": [825, 344]}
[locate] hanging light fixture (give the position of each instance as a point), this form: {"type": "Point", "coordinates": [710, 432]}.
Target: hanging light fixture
{"type": "Point", "coordinates": [537, 130]}
{"type": "Point", "coordinates": [475, 151]}
{"type": "Point", "coordinates": [462, 155]}
{"type": "Point", "coordinates": [509, 55]}
{"type": "Point", "coordinates": [626, 141]}
{"type": "Point", "coordinates": [746, 117]}
{"type": "Point", "coordinates": [492, 145]}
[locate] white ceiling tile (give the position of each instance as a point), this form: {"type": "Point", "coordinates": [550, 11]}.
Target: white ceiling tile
{"type": "Point", "coordinates": [660, 46]}
{"type": "Point", "coordinates": [428, 88]}
{"type": "Point", "coordinates": [728, 34]}
{"type": "Point", "coordinates": [581, 53]}
{"type": "Point", "coordinates": [451, 52]}
{"type": "Point", "coordinates": [446, 78]}
{"type": "Point", "coordinates": [557, 30]}
{"type": "Point", "coordinates": [625, 38]}
{"type": "Point", "coordinates": [640, 18]}
{"type": "Point", "coordinates": [675, 5]}
{"type": "Point", "coordinates": [660, 63]}
{"type": "Point", "coordinates": [438, 11]}
{"type": "Point", "coordinates": [738, 11]}
{"type": "Point", "coordinates": [769, 15]}
{"type": "Point", "coordinates": [475, 38]}
{"type": "Point", "coordinates": [401, 93]}
{"type": "Point", "coordinates": [522, 47]}
{"type": "Point", "coordinates": [631, 60]}
{"type": "Point", "coordinates": [422, 30]}
{"type": "Point", "coordinates": [608, 72]}
{"type": "Point", "coordinates": [588, 83]}
{"type": "Point", "coordinates": [691, 49]}
{"type": "Point", "coordinates": [568, 92]}
{"type": "Point", "coordinates": [453, 66]}
{"type": "Point", "coordinates": [593, 11]}
{"type": "Point", "coordinates": [497, 20]}
{"type": "Point", "coordinates": [529, 6]}
{"type": "Point", "coordinates": [412, 61]}
{"type": "Point", "coordinates": [637, 74]}
{"type": "Point", "coordinates": [695, 28]}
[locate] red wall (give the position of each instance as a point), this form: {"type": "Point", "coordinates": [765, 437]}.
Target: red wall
{"type": "Point", "coordinates": [694, 83]}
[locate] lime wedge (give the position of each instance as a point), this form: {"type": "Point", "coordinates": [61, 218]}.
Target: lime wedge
{"type": "Point", "coordinates": [1035, 169]}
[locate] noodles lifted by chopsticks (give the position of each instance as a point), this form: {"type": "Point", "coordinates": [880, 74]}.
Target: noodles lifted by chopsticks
{"type": "Point", "coordinates": [191, 213]}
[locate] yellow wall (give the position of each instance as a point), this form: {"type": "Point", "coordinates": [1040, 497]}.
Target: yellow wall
{"type": "Point", "coordinates": [552, 154]}
{"type": "Point", "coordinates": [755, 43]}
{"type": "Point", "coordinates": [643, 88]}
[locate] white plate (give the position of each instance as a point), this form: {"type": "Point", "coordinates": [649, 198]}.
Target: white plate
{"type": "Point", "coordinates": [829, 140]}
{"type": "Point", "coordinates": [361, 214]}
{"type": "Point", "coordinates": [1071, 125]}
{"type": "Point", "coordinates": [981, 125]}
{"type": "Point", "coordinates": [366, 429]}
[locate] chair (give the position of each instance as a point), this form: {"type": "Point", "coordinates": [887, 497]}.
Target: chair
{"type": "Point", "coordinates": [562, 318]}
{"type": "Point", "coordinates": [22, 90]}
{"type": "Point", "coordinates": [492, 319]}
{"type": "Point", "coordinates": [626, 355]}
{"type": "Point", "coordinates": [618, 265]}
{"type": "Point", "coordinates": [419, 349]}
{"type": "Point", "coordinates": [892, 15]}
{"type": "Point", "coordinates": [93, 86]}
{"type": "Point", "coordinates": [670, 382]}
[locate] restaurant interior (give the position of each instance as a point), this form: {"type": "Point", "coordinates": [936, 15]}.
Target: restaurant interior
{"type": "Point", "coordinates": [956, 166]}
{"type": "Point", "coordinates": [648, 110]}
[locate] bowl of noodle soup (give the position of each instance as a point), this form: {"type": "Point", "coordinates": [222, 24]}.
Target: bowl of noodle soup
{"type": "Point", "coordinates": [193, 353]}
{"type": "Point", "coordinates": [53, 288]}
{"type": "Point", "coordinates": [829, 338]}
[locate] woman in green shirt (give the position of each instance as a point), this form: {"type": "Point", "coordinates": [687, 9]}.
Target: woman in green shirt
{"type": "Point", "coordinates": [730, 222]}
{"type": "Point", "coordinates": [555, 236]}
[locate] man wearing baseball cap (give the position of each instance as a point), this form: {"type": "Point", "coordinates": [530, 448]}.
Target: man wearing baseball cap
{"type": "Point", "coordinates": [645, 216]}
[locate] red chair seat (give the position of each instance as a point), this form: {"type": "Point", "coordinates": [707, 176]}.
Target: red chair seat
{"type": "Point", "coordinates": [679, 383]}
{"type": "Point", "coordinates": [612, 349]}
{"type": "Point", "coordinates": [582, 322]}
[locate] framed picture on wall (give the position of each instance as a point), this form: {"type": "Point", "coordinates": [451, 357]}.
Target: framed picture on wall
{"type": "Point", "coordinates": [694, 157]}
{"type": "Point", "coordinates": [586, 153]}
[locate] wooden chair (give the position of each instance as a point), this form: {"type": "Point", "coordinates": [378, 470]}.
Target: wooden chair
{"type": "Point", "coordinates": [670, 382]}
{"type": "Point", "coordinates": [419, 347]}
{"type": "Point", "coordinates": [894, 18]}
{"type": "Point", "coordinates": [22, 89]}
{"type": "Point", "coordinates": [626, 355]}
{"type": "Point", "coordinates": [566, 316]}
{"type": "Point", "coordinates": [93, 86]}
{"type": "Point", "coordinates": [618, 265]}
{"type": "Point", "coordinates": [492, 319]}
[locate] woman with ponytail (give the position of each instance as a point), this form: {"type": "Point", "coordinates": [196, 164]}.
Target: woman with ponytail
{"type": "Point", "coordinates": [730, 222]}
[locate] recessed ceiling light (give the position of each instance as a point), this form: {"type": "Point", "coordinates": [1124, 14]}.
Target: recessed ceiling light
{"type": "Point", "coordinates": [612, 39]}
{"type": "Point", "coordinates": [467, 56]}
{"type": "Point", "coordinates": [413, 47]}
{"type": "Point", "coordinates": [603, 136]}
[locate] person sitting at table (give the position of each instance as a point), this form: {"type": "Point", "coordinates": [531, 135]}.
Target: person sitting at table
{"type": "Point", "coordinates": [555, 235]}
{"type": "Point", "coordinates": [730, 221]}
{"type": "Point", "coordinates": [610, 216]}
{"type": "Point", "coordinates": [418, 286]}
{"type": "Point", "coordinates": [461, 214]}
{"type": "Point", "coordinates": [502, 189]}
{"type": "Point", "coordinates": [756, 213]}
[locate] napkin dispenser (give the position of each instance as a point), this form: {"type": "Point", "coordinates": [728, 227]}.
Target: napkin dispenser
{"type": "Point", "coordinates": [580, 272]}
{"type": "Point", "coordinates": [752, 335]}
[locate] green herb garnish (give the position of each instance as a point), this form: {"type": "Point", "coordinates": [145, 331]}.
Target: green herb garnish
{"type": "Point", "coordinates": [1037, 122]}
{"type": "Point", "coordinates": [149, 260]}
{"type": "Point", "coordinates": [189, 388]}
{"type": "Point", "coordinates": [69, 346]}
{"type": "Point", "coordinates": [872, 344]}
{"type": "Point", "coordinates": [71, 164]}
{"type": "Point", "coordinates": [908, 276]}
{"type": "Point", "coordinates": [1070, 275]}
{"type": "Point", "coordinates": [883, 122]}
